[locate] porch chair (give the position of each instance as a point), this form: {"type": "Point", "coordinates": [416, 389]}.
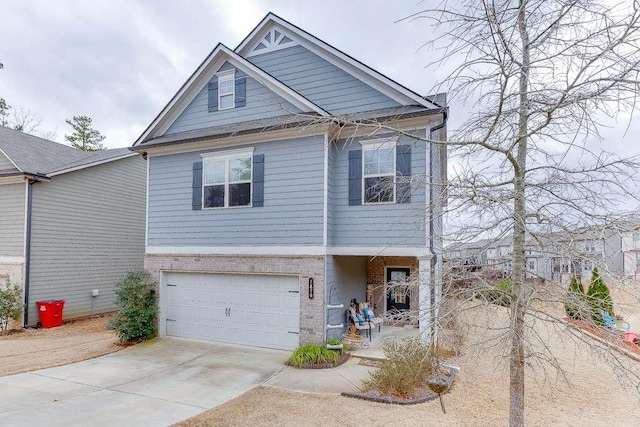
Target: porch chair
{"type": "Point", "coordinates": [359, 323]}
{"type": "Point", "coordinates": [611, 322]}
{"type": "Point", "coordinates": [369, 316]}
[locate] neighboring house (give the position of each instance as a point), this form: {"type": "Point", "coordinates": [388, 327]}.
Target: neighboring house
{"type": "Point", "coordinates": [70, 221]}
{"type": "Point", "coordinates": [280, 187]}
{"type": "Point", "coordinates": [558, 256]}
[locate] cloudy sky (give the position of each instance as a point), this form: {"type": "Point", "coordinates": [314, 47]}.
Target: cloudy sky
{"type": "Point", "coordinates": [120, 61]}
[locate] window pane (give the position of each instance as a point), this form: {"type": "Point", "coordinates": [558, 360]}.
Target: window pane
{"type": "Point", "coordinates": [226, 87]}
{"type": "Point", "coordinates": [370, 162]}
{"type": "Point", "coordinates": [226, 101]}
{"type": "Point", "coordinates": [386, 160]}
{"type": "Point", "coordinates": [379, 189]}
{"type": "Point", "coordinates": [240, 169]}
{"type": "Point", "coordinates": [214, 196]}
{"type": "Point", "coordinates": [240, 194]}
{"type": "Point", "coordinates": [213, 172]}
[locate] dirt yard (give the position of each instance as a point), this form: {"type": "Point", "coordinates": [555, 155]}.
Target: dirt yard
{"type": "Point", "coordinates": [590, 389]}
{"type": "Point", "coordinates": [45, 348]}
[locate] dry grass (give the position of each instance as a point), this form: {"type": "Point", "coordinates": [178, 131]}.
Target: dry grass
{"type": "Point", "coordinates": [44, 348]}
{"type": "Point", "coordinates": [480, 396]}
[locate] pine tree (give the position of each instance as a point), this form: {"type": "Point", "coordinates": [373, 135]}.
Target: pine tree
{"type": "Point", "coordinates": [598, 297]}
{"type": "Point", "coordinates": [84, 137]}
{"type": "Point", "coordinates": [576, 300]}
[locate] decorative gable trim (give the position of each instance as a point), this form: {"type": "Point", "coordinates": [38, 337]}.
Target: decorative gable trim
{"type": "Point", "coordinates": [366, 74]}
{"type": "Point", "coordinates": [273, 38]}
{"type": "Point", "coordinates": [204, 73]}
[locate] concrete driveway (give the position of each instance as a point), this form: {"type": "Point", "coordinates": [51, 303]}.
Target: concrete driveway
{"type": "Point", "coordinates": [156, 383]}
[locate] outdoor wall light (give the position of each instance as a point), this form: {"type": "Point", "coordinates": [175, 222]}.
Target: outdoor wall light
{"type": "Point", "coordinates": [310, 287]}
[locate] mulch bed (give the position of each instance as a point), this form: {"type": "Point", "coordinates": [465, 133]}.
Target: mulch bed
{"type": "Point", "coordinates": [340, 361]}
{"type": "Point", "coordinates": [423, 394]}
{"type": "Point", "coordinates": [613, 337]}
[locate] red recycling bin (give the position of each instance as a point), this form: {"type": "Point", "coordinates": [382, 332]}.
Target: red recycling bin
{"type": "Point", "coordinates": [50, 313]}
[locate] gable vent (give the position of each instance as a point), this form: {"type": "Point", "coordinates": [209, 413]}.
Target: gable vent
{"type": "Point", "coordinates": [273, 39]}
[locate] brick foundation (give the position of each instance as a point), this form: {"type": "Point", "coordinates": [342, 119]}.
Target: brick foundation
{"type": "Point", "coordinates": [312, 315]}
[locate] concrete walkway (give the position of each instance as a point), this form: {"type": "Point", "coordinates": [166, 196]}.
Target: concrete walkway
{"type": "Point", "coordinates": [151, 384]}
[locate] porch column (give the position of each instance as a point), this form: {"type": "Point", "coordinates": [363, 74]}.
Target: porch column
{"type": "Point", "coordinates": [425, 294]}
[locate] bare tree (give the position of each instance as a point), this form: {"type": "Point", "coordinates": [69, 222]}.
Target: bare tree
{"type": "Point", "coordinates": [25, 120]}
{"type": "Point", "coordinates": [542, 74]}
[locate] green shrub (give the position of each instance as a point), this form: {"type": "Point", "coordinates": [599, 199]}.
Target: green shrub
{"type": "Point", "coordinates": [11, 304]}
{"type": "Point", "coordinates": [313, 354]}
{"type": "Point", "coordinates": [598, 297]}
{"type": "Point", "coordinates": [407, 366]}
{"type": "Point", "coordinates": [499, 294]}
{"type": "Point", "coordinates": [575, 305]}
{"type": "Point", "coordinates": [138, 315]}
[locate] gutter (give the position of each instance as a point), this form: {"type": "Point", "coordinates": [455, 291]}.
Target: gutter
{"type": "Point", "coordinates": [432, 193]}
{"type": "Point", "coordinates": [27, 244]}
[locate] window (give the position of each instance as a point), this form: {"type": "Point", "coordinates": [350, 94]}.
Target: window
{"type": "Point", "coordinates": [226, 90]}
{"type": "Point", "coordinates": [637, 259]}
{"type": "Point", "coordinates": [636, 237]}
{"type": "Point", "coordinates": [227, 179]}
{"type": "Point", "coordinates": [379, 171]}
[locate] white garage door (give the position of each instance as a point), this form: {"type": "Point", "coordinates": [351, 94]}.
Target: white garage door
{"type": "Point", "coordinates": [257, 310]}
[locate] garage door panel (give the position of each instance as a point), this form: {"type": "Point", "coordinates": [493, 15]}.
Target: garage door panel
{"type": "Point", "coordinates": [259, 310]}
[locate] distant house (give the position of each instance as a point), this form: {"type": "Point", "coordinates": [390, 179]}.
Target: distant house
{"type": "Point", "coordinates": [71, 222]}
{"type": "Point", "coordinates": [287, 178]}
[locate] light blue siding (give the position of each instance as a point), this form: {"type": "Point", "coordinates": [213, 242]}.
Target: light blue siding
{"type": "Point", "coordinates": [12, 198]}
{"type": "Point", "coordinates": [293, 200]}
{"type": "Point", "coordinates": [323, 83]}
{"type": "Point", "coordinates": [87, 233]}
{"type": "Point", "coordinates": [261, 104]}
{"type": "Point", "coordinates": [346, 278]}
{"type": "Point", "coordinates": [378, 224]}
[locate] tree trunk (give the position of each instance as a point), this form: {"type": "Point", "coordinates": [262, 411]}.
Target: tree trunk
{"type": "Point", "coordinates": [518, 297]}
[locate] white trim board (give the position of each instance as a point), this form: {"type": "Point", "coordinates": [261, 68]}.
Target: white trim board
{"type": "Point", "coordinates": [11, 260]}
{"type": "Point", "coordinates": [89, 165]}
{"type": "Point", "coordinates": [288, 250]}
{"type": "Point", "coordinates": [11, 160]}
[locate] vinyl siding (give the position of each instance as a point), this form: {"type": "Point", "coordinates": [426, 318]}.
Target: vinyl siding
{"type": "Point", "coordinates": [88, 231]}
{"type": "Point", "coordinates": [323, 83]}
{"type": "Point", "coordinates": [6, 165]}
{"type": "Point", "coordinates": [346, 278]}
{"type": "Point", "coordinates": [12, 198]}
{"type": "Point", "coordinates": [382, 224]}
{"type": "Point", "coordinates": [293, 200]}
{"type": "Point", "coordinates": [261, 104]}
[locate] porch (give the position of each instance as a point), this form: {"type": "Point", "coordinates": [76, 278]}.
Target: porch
{"type": "Point", "coordinates": [388, 284]}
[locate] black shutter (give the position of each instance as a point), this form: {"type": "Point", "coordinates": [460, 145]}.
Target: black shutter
{"type": "Point", "coordinates": [196, 203]}
{"type": "Point", "coordinates": [258, 180]}
{"type": "Point", "coordinates": [213, 95]}
{"type": "Point", "coordinates": [403, 174]}
{"type": "Point", "coordinates": [355, 177]}
{"type": "Point", "coordinates": [241, 92]}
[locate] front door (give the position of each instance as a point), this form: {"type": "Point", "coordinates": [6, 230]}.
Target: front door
{"type": "Point", "coordinates": [397, 292]}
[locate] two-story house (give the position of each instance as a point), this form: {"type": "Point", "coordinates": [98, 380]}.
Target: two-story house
{"type": "Point", "coordinates": [286, 178]}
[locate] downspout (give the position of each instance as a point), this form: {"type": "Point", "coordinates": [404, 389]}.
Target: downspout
{"type": "Point", "coordinates": [433, 150]}
{"type": "Point", "coordinates": [27, 246]}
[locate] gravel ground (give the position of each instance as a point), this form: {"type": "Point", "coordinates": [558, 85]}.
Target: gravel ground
{"type": "Point", "coordinates": [586, 392]}
{"type": "Point", "coordinates": [45, 348]}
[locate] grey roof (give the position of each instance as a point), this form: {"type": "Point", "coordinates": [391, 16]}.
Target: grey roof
{"type": "Point", "coordinates": [32, 154]}
{"type": "Point", "coordinates": [96, 157]}
{"type": "Point", "coordinates": [36, 155]}
{"type": "Point", "coordinates": [282, 122]}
